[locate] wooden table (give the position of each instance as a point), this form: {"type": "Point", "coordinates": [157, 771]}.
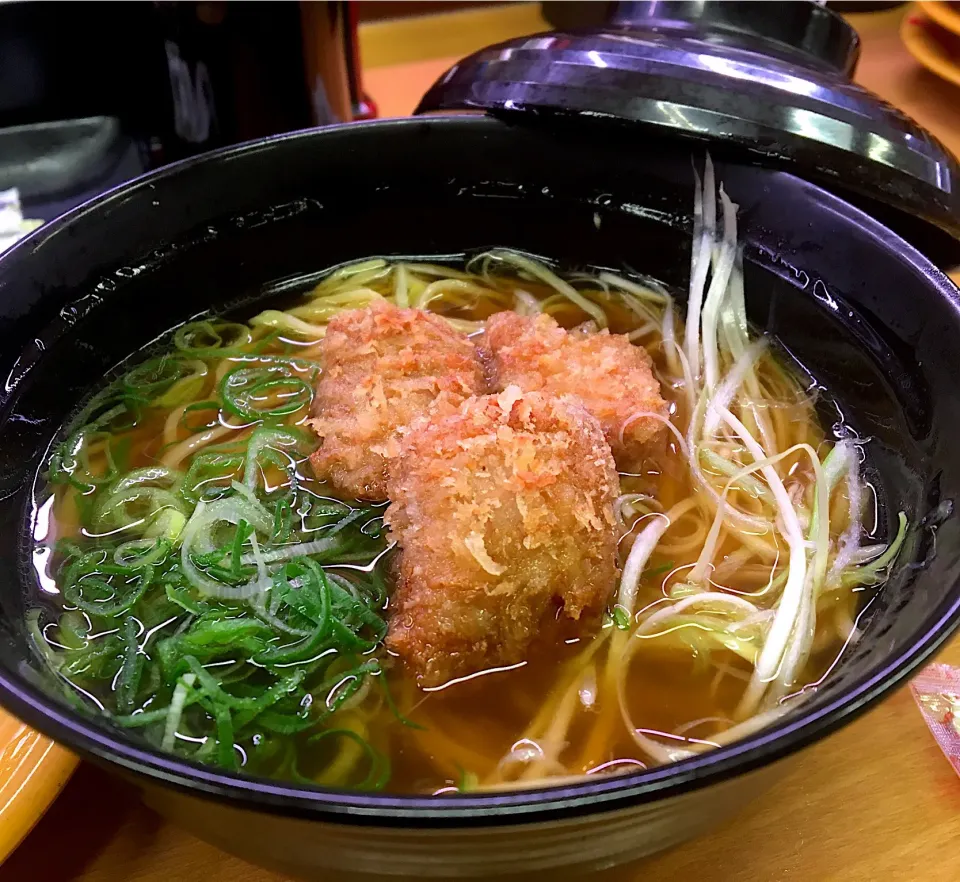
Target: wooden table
{"type": "Point", "coordinates": [875, 801]}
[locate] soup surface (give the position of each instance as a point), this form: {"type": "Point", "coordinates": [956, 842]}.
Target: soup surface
{"type": "Point", "coordinates": [203, 589]}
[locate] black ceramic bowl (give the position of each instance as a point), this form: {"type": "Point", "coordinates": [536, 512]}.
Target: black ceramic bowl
{"type": "Point", "coordinates": [875, 323]}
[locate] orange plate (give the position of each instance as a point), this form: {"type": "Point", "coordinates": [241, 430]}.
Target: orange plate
{"type": "Point", "coordinates": [947, 15]}
{"type": "Point", "coordinates": [33, 771]}
{"type": "Point", "coordinates": [934, 47]}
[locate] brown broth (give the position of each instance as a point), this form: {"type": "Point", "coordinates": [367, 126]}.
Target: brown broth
{"type": "Point", "coordinates": [674, 681]}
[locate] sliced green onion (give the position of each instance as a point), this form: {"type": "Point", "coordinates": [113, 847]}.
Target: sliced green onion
{"type": "Point", "coordinates": [282, 446]}
{"type": "Point", "coordinates": [207, 471]}
{"type": "Point", "coordinates": [154, 377]}
{"type": "Point", "coordinates": [182, 598]}
{"type": "Point", "coordinates": [724, 466]}
{"type": "Point", "coordinates": [643, 546]}
{"type": "Point", "coordinates": [99, 660]}
{"type": "Point", "coordinates": [166, 525]}
{"type": "Point", "coordinates": [282, 521]}
{"type": "Point", "coordinates": [175, 711]}
{"type": "Point", "coordinates": [400, 290]}
{"type": "Point", "coordinates": [72, 630]}
{"type": "Point", "coordinates": [242, 387]}
{"type": "Point", "coordinates": [133, 508]}
{"type": "Point", "coordinates": [468, 781]}
{"type": "Point", "coordinates": [185, 389]}
{"type": "Point", "coordinates": [200, 407]}
{"type": "Point", "coordinates": [139, 719]}
{"type": "Point", "coordinates": [137, 498]}
{"type": "Point", "coordinates": [226, 753]}
{"type": "Point", "coordinates": [704, 200]}
{"type": "Point", "coordinates": [40, 642]}
{"type": "Point", "coordinates": [110, 602]}
{"type": "Point", "coordinates": [312, 600]}
{"type": "Point", "coordinates": [151, 476]}
{"type": "Point", "coordinates": [70, 464]}
{"type": "Point", "coordinates": [207, 338]}
{"type": "Point", "coordinates": [212, 638]}
{"type": "Point", "coordinates": [139, 553]}
{"type": "Point", "coordinates": [270, 697]}
{"type": "Point", "coordinates": [197, 540]}
{"type": "Point", "coordinates": [719, 287]}
{"type": "Point", "coordinates": [302, 549]}
{"type": "Point", "coordinates": [348, 684]}
{"type": "Point", "coordinates": [128, 681]}
{"type": "Point", "coordinates": [285, 724]}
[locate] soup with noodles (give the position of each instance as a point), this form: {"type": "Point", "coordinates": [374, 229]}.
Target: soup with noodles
{"type": "Point", "coordinates": [231, 588]}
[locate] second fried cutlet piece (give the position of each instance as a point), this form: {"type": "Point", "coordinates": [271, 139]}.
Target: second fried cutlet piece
{"type": "Point", "coordinates": [610, 375]}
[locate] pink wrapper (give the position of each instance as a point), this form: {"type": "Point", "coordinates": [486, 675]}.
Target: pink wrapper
{"type": "Point", "coordinates": [937, 691]}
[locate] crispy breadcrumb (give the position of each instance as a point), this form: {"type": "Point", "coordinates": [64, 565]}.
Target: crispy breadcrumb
{"type": "Point", "coordinates": [611, 376]}
{"type": "Point", "coordinates": [504, 514]}
{"type": "Point", "coordinates": [383, 367]}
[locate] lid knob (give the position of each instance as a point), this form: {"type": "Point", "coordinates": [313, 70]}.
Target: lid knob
{"type": "Point", "coordinates": [801, 33]}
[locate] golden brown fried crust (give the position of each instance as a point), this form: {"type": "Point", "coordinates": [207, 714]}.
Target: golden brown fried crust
{"type": "Point", "coordinates": [504, 513]}
{"type": "Point", "coordinates": [382, 368]}
{"type": "Point", "coordinates": [609, 374]}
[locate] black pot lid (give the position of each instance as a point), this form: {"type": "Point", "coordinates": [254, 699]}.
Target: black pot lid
{"type": "Point", "coordinates": [771, 80]}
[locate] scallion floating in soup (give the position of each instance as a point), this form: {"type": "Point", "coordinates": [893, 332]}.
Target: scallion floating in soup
{"type": "Point", "coordinates": [438, 529]}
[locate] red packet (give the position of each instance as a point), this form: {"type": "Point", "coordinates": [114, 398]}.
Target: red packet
{"type": "Point", "coordinates": [937, 691]}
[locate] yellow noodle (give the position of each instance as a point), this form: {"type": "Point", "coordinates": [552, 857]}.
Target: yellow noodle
{"type": "Point", "coordinates": [171, 424]}
{"type": "Point", "coordinates": [176, 454]}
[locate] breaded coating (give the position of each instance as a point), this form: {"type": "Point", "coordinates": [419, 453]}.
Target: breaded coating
{"type": "Point", "coordinates": [382, 368]}
{"type": "Point", "coordinates": [504, 514]}
{"type": "Point", "coordinates": [609, 374]}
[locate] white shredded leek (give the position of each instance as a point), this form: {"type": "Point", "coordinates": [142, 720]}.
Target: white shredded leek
{"type": "Point", "coordinates": [643, 547]}
{"type": "Point", "coordinates": [745, 481]}
{"type": "Point", "coordinates": [647, 294]}
{"type": "Point", "coordinates": [721, 398]}
{"type": "Point", "coordinates": [545, 275]}
{"type": "Point", "coordinates": [792, 598]}
{"type": "Point", "coordinates": [700, 265]}
{"type": "Point", "coordinates": [715, 294]}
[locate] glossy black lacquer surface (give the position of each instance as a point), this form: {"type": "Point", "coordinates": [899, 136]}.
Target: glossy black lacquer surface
{"type": "Point", "coordinates": [770, 82]}
{"type": "Point", "coordinates": [873, 321]}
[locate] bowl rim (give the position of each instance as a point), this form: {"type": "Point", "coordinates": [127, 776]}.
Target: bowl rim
{"type": "Point", "coordinates": [549, 803]}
